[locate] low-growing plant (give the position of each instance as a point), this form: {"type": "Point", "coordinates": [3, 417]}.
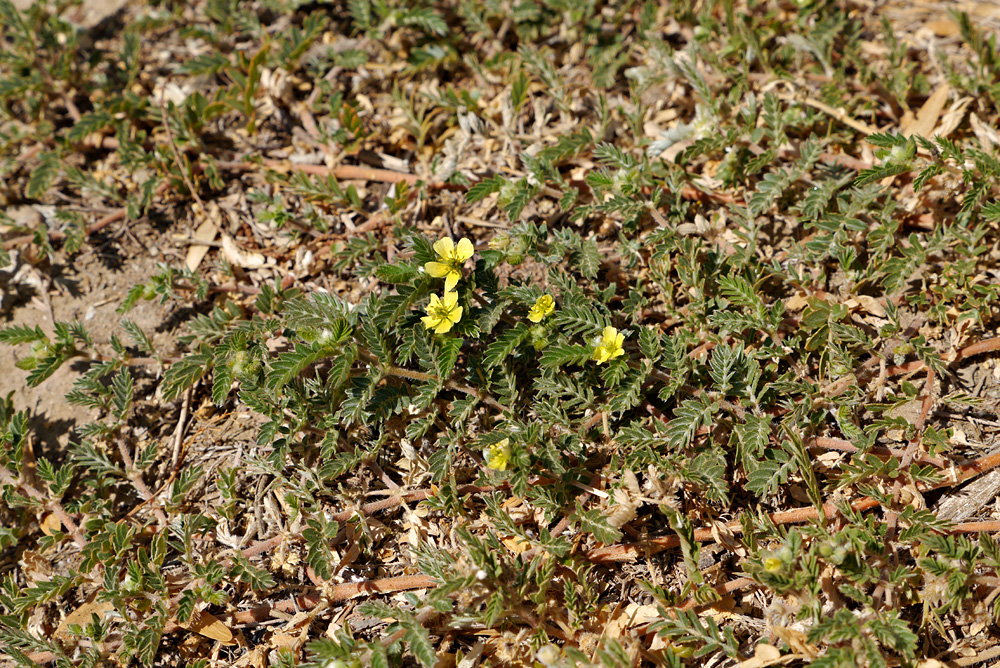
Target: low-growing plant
{"type": "Point", "coordinates": [657, 345]}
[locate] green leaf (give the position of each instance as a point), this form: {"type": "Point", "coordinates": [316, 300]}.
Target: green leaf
{"type": "Point", "coordinates": [727, 369]}
{"type": "Point", "coordinates": [650, 342]}
{"type": "Point", "coordinates": [687, 627]}
{"type": "Point", "coordinates": [291, 363]}
{"type": "Point", "coordinates": [880, 172]}
{"type": "Point", "coordinates": [691, 415]}
{"type": "Point", "coordinates": [259, 579]}
{"type": "Point", "coordinates": [122, 387]}
{"type": "Point", "coordinates": [138, 336]}
{"type": "Point", "coordinates": [420, 641]}
{"type": "Point", "coordinates": [427, 19]}
{"type": "Point", "coordinates": [46, 365]}
{"type": "Point", "coordinates": [185, 607]}
{"type": "Point", "coordinates": [318, 534]}
{"type": "Point", "coordinates": [580, 319]}
{"type": "Point", "coordinates": [16, 334]}
{"type": "Point", "coordinates": [444, 360]}
{"type": "Point", "coordinates": [587, 259]}
{"type": "Point", "coordinates": [505, 345]}
{"type": "Point", "coordinates": [596, 523]}
{"type": "Point", "coordinates": [484, 188]}
{"type": "Point", "coordinates": [561, 354]}
{"type": "Point", "coordinates": [147, 641]}
{"type": "Point", "coordinates": [183, 373]}
{"type": "Point", "coordinates": [318, 310]}
{"type": "Point", "coordinates": [379, 657]}
{"type": "Point", "coordinates": [88, 124]}
{"type": "Point", "coordinates": [391, 273]}
{"type": "Point", "coordinates": [43, 175]}
{"type": "Point", "coordinates": [768, 476]}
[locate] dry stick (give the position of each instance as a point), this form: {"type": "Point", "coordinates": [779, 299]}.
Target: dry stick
{"type": "Point", "coordinates": [975, 527]}
{"type": "Point", "coordinates": [629, 551]}
{"type": "Point", "coordinates": [970, 350]}
{"type": "Point", "coordinates": [59, 236]}
{"type": "Point", "coordinates": [336, 593]}
{"type": "Point", "coordinates": [985, 655]}
{"type": "Point", "coordinates": [925, 409]}
{"type": "Point", "coordinates": [179, 430]}
{"type": "Point", "coordinates": [136, 478]}
{"type": "Point", "coordinates": [346, 172]}
{"type": "Point", "coordinates": [408, 497]}
{"type": "Point", "coordinates": [838, 387]}
{"type": "Point", "coordinates": [96, 227]}
{"type": "Point", "coordinates": [846, 446]}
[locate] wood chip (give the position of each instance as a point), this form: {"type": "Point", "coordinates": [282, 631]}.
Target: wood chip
{"type": "Point", "coordinates": [927, 118]}
{"type": "Point", "coordinates": [245, 260]}
{"type": "Point", "coordinates": [196, 253]}
{"type": "Point", "coordinates": [942, 27]}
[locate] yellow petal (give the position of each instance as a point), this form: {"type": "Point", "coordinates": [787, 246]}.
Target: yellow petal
{"type": "Point", "coordinates": [456, 314]}
{"type": "Point", "coordinates": [464, 250]}
{"type": "Point", "coordinates": [450, 300]}
{"type": "Point", "coordinates": [437, 269]}
{"type": "Point", "coordinates": [443, 247]}
{"type": "Point", "coordinates": [444, 327]}
{"type": "Point", "coordinates": [430, 322]}
{"type": "Point", "coordinates": [535, 315]}
{"type": "Point", "coordinates": [451, 280]}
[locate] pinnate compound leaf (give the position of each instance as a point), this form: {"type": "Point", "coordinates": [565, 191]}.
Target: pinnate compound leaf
{"type": "Point", "coordinates": [43, 176]}
{"type": "Point", "coordinates": [420, 641]}
{"type": "Point", "coordinates": [690, 416]}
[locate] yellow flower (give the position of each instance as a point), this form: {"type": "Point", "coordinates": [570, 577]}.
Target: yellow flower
{"type": "Point", "coordinates": [608, 346]}
{"type": "Point", "coordinates": [450, 261]}
{"type": "Point", "coordinates": [544, 306]}
{"type": "Point", "coordinates": [773, 565]}
{"type": "Point", "coordinates": [498, 455]}
{"type": "Point", "coordinates": [442, 313]}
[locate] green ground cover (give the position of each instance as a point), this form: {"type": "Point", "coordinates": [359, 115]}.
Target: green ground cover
{"type": "Point", "coordinates": [537, 333]}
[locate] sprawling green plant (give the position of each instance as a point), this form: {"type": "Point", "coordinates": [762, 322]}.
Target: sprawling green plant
{"type": "Point", "coordinates": [648, 355]}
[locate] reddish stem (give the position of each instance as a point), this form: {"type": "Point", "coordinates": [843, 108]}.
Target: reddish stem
{"type": "Point", "coordinates": [977, 348]}
{"type": "Point", "coordinates": [336, 593]}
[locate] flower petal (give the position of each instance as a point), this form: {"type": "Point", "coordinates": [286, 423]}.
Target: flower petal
{"type": "Point", "coordinates": [455, 314]}
{"type": "Point", "coordinates": [430, 322]}
{"type": "Point", "coordinates": [444, 326]}
{"type": "Point", "coordinates": [443, 247]}
{"type": "Point", "coordinates": [437, 269]}
{"type": "Point", "coordinates": [600, 354]}
{"type": "Point", "coordinates": [451, 280]}
{"type": "Point", "coordinates": [464, 250]}
{"type": "Point", "coordinates": [450, 300]}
